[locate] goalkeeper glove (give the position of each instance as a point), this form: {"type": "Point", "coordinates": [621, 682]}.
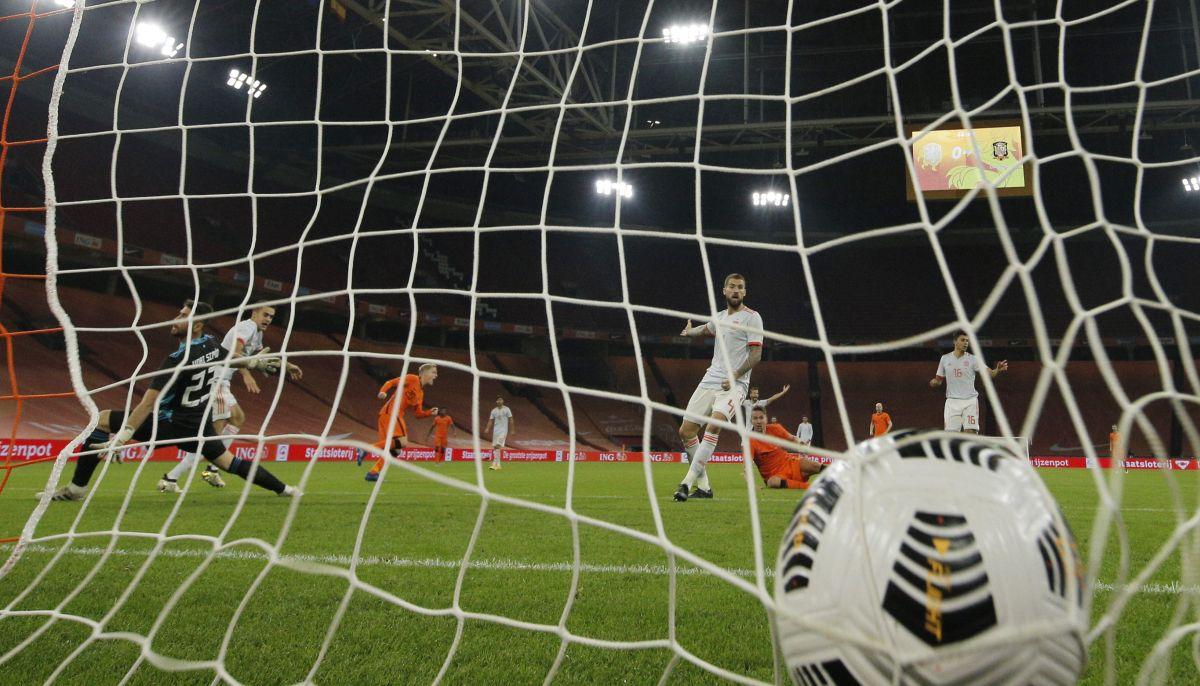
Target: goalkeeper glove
{"type": "Point", "coordinates": [268, 364]}
{"type": "Point", "coordinates": [112, 447]}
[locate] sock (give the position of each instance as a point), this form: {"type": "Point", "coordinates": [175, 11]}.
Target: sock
{"type": "Point", "coordinates": [229, 430]}
{"type": "Point", "coordinates": [86, 465]}
{"type": "Point", "coordinates": [184, 467]}
{"type": "Point", "coordinates": [690, 447]}
{"type": "Point", "coordinates": [705, 451]}
{"type": "Point", "coordinates": [262, 477]}
{"type": "Point", "coordinates": [378, 466]}
{"type": "Point", "coordinates": [495, 456]}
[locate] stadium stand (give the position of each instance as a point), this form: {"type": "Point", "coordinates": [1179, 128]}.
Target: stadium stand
{"type": "Point", "coordinates": [541, 412]}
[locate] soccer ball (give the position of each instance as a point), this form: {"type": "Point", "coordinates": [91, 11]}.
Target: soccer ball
{"type": "Point", "coordinates": [927, 559]}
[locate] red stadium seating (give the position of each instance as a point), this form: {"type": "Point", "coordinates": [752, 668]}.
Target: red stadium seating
{"type": "Point", "coordinates": [540, 411]}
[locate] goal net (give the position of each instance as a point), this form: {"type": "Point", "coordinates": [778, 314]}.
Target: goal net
{"type": "Point", "coordinates": [535, 196]}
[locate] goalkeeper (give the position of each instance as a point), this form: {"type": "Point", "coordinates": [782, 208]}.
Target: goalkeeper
{"type": "Point", "coordinates": [179, 394]}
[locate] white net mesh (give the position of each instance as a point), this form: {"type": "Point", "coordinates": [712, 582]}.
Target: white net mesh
{"type": "Point", "coordinates": [379, 133]}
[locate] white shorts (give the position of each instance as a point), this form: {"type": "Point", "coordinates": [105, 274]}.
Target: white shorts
{"type": "Point", "coordinates": [962, 414]}
{"type": "Point", "coordinates": [499, 439]}
{"type": "Point", "coordinates": [223, 401]}
{"type": "Point", "coordinates": [706, 401]}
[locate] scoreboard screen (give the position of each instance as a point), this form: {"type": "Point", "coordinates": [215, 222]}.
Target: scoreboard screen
{"type": "Point", "coordinates": [951, 161]}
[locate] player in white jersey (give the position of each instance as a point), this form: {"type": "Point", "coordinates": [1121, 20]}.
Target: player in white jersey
{"type": "Point", "coordinates": [500, 425]}
{"type": "Point", "coordinates": [243, 340]}
{"type": "Point", "coordinates": [804, 432]}
{"type": "Point", "coordinates": [752, 401]}
{"type": "Point", "coordinates": [957, 370]}
{"type": "Point", "coordinates": [723, 388]}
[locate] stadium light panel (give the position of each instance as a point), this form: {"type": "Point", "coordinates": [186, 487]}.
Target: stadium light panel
{"type": "Point", "coordinates": [237, 79]}
{"type": "Point", "coordinates": [609, 186]}
{"type": "Point", "coordinates": [153, 36]}
{"type": "Point", "coordinates": [1187, 185]}
{"type": "Point", "coordinates": [69, 4]}
{"type": "Point", "coordinates": [770, 199]}
{"type": "Point", "coordinates": [685, 33]}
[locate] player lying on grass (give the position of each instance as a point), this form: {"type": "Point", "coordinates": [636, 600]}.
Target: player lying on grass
{"type": "Point", "coordinates": [180, 394]}
{"type": "Point", "coordinates": [778, 468]}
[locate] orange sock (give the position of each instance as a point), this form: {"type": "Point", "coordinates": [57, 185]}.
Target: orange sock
{"type": "Point", "coordinates": [378, 466]}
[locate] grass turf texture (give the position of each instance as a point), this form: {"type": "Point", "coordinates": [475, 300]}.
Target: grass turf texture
{"type": "Point", "coordinates": [416, 535]}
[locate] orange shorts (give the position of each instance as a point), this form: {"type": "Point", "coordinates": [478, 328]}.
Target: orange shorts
{"type": "Point", "coordinates": [399, 430]}
{"type": "Point", "coordinates": [440, 441]}
{"type": "Point", "coordinates": [791, 471]}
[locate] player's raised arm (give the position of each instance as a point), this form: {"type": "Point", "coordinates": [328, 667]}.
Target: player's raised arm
{"type": "Point", "coordinates": [1001, 366]}
{"type": "Point", "coordinates": [777, 396]}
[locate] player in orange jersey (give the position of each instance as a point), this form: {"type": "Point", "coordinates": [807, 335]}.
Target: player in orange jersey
{"type": "Point", "coordinates": [777, 467]}
{"type": "Point", "coordinates": [881, 422]}
{"type": "Point", "coordinates": [393, 432]}
{"type": "Point", "coordinates": [1115, 450]}
{"type": "Point", "coordinates": [440, 429]}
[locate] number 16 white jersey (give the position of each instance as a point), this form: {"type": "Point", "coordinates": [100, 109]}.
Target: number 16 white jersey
{"type": "Point", "coordinates": [959, 373]}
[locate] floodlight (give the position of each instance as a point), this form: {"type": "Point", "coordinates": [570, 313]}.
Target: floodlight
{"type": "Point", "coordinates": [65, 3]}
{"type": "Point", "coordinates": [609, 186]}
{"type": "Point", "coordinates": [685, 33]}
{"type": "Point", "coordinates": [152, 35]}
{"type": "Point", "coordinates": [770, 199]}
{"type": "Point", "coordinates": [1187, 185]}
{"type": "Point", "coordinates": [237, 79]}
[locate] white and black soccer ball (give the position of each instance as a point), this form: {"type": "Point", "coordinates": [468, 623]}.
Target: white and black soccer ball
{"type": "Point", "coordinates": [929, 559]}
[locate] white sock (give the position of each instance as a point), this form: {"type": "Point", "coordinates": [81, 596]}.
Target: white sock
{"type": "Point", "coordinates": [690, 447]}
{"type": "Point", "coordinates": [703, 452]}
{"type": "Point", "coordinates": [495, 456]}
{"type": "Point", "coordinates": [185, 465]}
{"type": "Point", "coordinates": [702, 483]}
{"type": "Point", "coordinates": [230, 430]}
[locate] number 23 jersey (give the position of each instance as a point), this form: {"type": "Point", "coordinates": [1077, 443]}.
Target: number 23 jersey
{"type": "Point", "coordinates": [185, 400]}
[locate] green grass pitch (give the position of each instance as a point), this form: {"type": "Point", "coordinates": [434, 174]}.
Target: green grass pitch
{"type": "Point", "coordinates": [412, 545]}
